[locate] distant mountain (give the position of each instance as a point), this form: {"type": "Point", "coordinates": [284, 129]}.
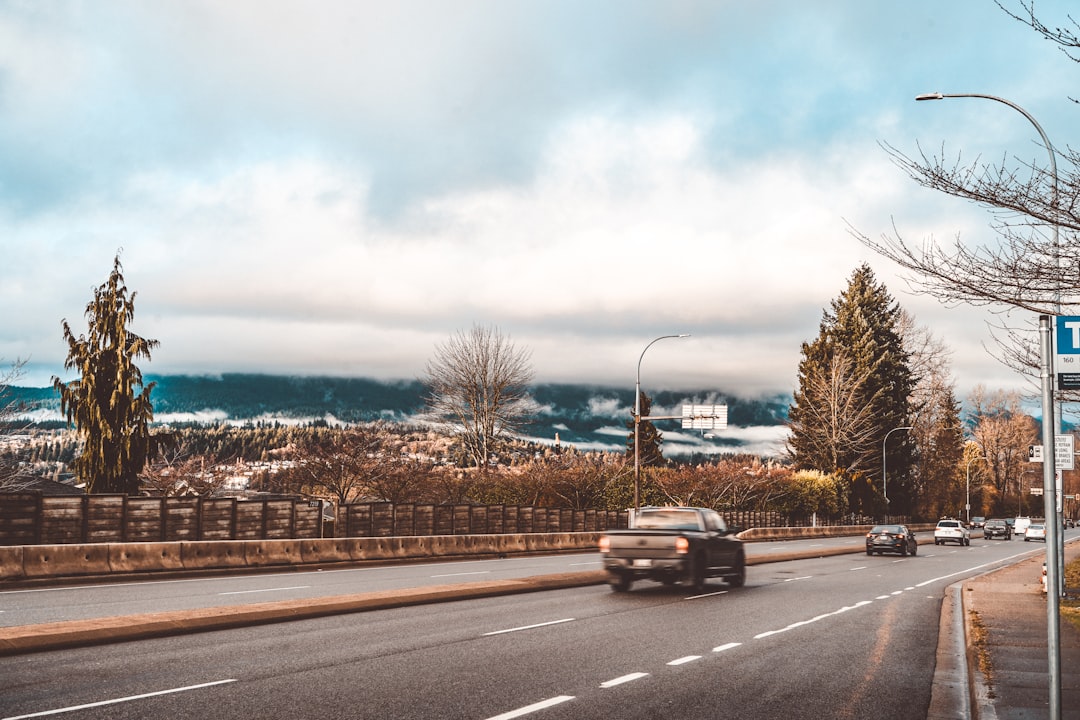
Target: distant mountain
{"type": "Point", "coordinates": [587, 416]}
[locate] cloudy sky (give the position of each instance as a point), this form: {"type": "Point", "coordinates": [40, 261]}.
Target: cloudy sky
{"type": "Point", "coordinates": [337, 187]}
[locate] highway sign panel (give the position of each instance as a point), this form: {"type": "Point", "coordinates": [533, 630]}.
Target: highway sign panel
{"type": "Point", "coordinates": [704, 417]}
{"type": "Point", "coordinates": [1067, 359]}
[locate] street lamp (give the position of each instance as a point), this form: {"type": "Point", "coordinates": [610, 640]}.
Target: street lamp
{"type": "Point", "coordinates": [1055, 559]}
{"type": "Point", "coordinates": [884, 473]}
{"type": "Point", "coordinates": [967, 503]}
{"type": "Point", "coordinates": [637, 422]}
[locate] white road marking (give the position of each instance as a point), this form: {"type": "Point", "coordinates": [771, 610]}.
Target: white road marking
{"type": "Point", "coordinates": [623, 679]}
{"type": "Point", "coordinates": [528, 709]}
{"type": "Point", "coordinates": [529, 627]}
{"type": "Point", "coordinates": [726, 646]}
{"type": "Point", "coordinates": [801, 623]}
{"type": "Point", "coordinates": [804, 577]}
{"type": "Point", "coordinates": [248, 592]}
{"type": "Point", "coordinates": [594, 562]}
{"type": "Point", "coordinates": [684, 660]}
{"type": "Point", "coordinates": [705, 595]}
{"type": "Point", "coordinates": [73, 708]}
{"type": "Point", "coordinates": [861, 567]}
{"type": "Point", "coordinates": [479, 572]}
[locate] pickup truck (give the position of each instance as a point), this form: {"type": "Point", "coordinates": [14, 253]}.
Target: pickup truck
{"type": "Point", "coordinates": [674, 544]}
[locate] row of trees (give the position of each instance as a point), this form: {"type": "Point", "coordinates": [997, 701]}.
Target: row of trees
{"type": "Point", "coordinates": [870, 372]}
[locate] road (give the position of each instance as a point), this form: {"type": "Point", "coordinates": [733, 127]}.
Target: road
{"type": "Point", "coordinates": [36, 605]}
{"type": "Point", "coordinates": [840, 637]}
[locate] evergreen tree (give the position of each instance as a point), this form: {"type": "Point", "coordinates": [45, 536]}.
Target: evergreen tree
{"type": "Point", "coordinates": [650, 439]}
{"type": "Point", "coordinates": [108, 404]}
{"type": "Point", "coordinates": [855, 384]}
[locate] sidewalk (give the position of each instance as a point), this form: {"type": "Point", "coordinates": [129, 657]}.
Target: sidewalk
{"type": "Point", "coordinates": [1009, 606]}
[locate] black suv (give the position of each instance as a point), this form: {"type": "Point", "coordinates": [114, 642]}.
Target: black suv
{"type": "Point", "coordinates": [997, 528]}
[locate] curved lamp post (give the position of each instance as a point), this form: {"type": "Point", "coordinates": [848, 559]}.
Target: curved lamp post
{"type": "Point", "coordinates": [637, 422]}
{"type": "Point", "coordinates": [884, 473]}
{"type": "Point", "coordinates": [967, 502]}
{"type": "Point", "coordinates": [1054, 539]}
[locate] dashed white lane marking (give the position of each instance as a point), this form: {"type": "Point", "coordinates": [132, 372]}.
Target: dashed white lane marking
{"type": "Point", "coordinates": [684, 660]}
{"type": "Point", "coordinates": [529, 709]}
{"type": "Point", "coordinates": [726, 646]}
{"type": "Point", "coordinates": [114, 701]}
{"type": "Point", "coordinates": [804, 577]}
{"type": "Point", "coordinates": [623, 679]}
{"type": "Point", "coordinates": [478, 572]}
{"type": "Point", "coordinates": [529, 627]}
{"type": "Point", "coordinates": [250, 592]}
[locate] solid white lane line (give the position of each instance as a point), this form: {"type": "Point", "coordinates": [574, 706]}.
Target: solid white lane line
{"type": "Point", "coordinates": [726, 646]}
{"type": "Point", "coordinates": [479, 572]}
{"type": "Point", "coordinates": [623, 679]}
{"type": "Point", "coordinates": [705, 595]}
{"type": "Point", "coordinates": [248, 592]}
{"type": "Point", "coordinates": [801, 623]}
{"type": "Point", "coordinates": [528, 709]}
{"type": "Point", "coordinates": [684, 660]}
{"type": "Point", "coordinates": [73, 708]}
{"type": "Point", "coordinates": [529, 627]}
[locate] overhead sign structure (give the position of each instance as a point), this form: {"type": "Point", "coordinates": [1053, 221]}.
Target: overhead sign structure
{"type": "Point", "coordinates": [704, 417]}
{"type": "Point", "coordinates": [1067, 360]}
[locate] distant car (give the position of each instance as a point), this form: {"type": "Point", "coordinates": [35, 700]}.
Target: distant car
{"type": "Point", "coordinates": [1020, 525]}
{"type": "Point", "coordinates": [891, 539]}
{"type": "Point", "coordinates": [951, 531]}
{"type": "Point", "coordinates": [978, 521]}
{"type": "Point", "coordinates": [996, 527]}
{"type": "Point", "coordinates": [1035, 531]}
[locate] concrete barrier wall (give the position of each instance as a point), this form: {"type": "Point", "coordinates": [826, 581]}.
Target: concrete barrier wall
{"type": "Point", "coordinates": [32, 562]}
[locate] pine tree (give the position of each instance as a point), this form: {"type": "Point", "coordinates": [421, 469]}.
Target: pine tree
{"type": "Point", "coordinates": [650, 439]}
{"type": "Point", "coordinates": [855, 383]}
{"type": "Point", "coordinates": [113, 420]}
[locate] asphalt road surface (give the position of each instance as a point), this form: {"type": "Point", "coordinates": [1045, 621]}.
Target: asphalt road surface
{"type": "Point", "coordinates": [845, 636]}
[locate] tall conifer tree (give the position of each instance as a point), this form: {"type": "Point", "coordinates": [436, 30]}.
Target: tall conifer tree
{"type": "Point", "coordinates": [855, 384]}
{"type": "Point", "coordinates": [108, 403]}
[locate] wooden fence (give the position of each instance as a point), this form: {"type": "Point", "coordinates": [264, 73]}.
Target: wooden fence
{"type": "Point", "coordinates": [28, 519]}
{"type": "Point", "coordinates": [36, 520]}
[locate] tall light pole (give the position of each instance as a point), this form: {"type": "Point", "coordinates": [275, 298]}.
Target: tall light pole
{"type": "Point", "coordinates": [967, 492]}
{"type": "Point", "coordinates": [637, 422]}
{"type": "Point", "coordinates": [884, 473]}
{"type": "Point", "coordinates": [1055, 559]}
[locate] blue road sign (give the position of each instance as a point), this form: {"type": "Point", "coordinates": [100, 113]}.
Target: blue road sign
{"type": "Point", "coordinates": [1068, 352]}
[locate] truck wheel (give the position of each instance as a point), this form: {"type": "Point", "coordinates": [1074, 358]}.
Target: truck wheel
{"type": "Point", "coordinates": [621, 583]}
{"type": "Point", "coordinates": [697, 573]}
{"type": "Point", "coordinates": [739, 578]}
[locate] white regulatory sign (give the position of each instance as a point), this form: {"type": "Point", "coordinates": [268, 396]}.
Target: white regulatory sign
{"type": "Point", "coordinates": [1064, 452]}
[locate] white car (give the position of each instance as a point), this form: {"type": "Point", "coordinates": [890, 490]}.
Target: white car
{"type": "Point", "coordinates": [951, 531]}
{"type": "Point", "coordinates": [1035, 531]}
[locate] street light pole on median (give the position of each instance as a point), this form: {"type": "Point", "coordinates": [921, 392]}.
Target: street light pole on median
{"type": "Point", "coordinates": [637, 422]}
{"type": "Point", "coordinates": [884, 473]}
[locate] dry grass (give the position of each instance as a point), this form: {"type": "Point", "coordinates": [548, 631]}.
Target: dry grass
{"type": "Point", "coordinates": [1070, 606]}
{"type": "Point", "coordinates": [978, 639]}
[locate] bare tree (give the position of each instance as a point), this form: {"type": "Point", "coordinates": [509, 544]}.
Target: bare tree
{"type": "Point", "coordinates": [478, 381]}
{"type": "Point", "coordinates": [1004, 431]}
{"type": "Point", "coordinates": [1035, 212]}
{"type": "Point", "coordinates": [12, 476]}
{"type": "Point", "coordinates": [836, 428]}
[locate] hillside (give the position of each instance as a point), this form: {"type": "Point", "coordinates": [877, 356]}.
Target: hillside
{"type": "Point", "coordinates": [588, 416]}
